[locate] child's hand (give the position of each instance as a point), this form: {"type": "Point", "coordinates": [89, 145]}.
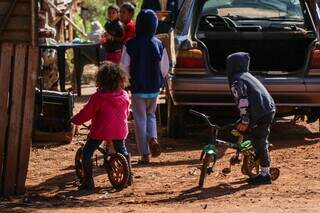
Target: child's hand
{"type": "Point", "coordinates": [241, 127]}
{"type": "Point", "coordinates": [103, 39]}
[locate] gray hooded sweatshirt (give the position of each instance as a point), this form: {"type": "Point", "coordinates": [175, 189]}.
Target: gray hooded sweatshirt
{"type": "Point", "coordinates": [252, 98]}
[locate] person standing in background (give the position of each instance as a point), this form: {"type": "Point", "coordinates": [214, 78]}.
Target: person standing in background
{"type": "Point", "coordinates": [126, 15]}
{"type": "Point", "coordinates": [166, 10]}
{"type": "Point", "coordinates": [146, 60]}
{"type": "Point", "coordinates": [114, 31]}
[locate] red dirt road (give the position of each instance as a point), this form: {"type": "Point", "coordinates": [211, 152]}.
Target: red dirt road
{"type": "Point", "coordinates": [169, 183]}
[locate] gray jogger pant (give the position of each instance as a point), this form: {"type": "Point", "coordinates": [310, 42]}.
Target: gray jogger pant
{"type": "Point", "coordinates": [260, 141]}
{"type": "Point", "coordinates": [144, 114]}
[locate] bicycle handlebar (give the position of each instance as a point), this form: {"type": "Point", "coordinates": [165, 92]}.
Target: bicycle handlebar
{"type": "Point", "coordinates": [86, 126]}
{"type": "Point", "coordinates": [201, 115]}
{"type": "Point", "coordinates": [206, 118]}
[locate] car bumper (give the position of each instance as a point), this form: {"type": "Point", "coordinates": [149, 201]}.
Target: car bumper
{"type": "Point", "coordinates": [214, 91]}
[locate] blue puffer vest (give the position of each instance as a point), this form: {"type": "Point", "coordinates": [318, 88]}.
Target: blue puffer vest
{"type": "Point", "coordinates": [145, 52]}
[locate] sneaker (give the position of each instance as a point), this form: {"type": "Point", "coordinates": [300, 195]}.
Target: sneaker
{"type": "Point", "coordinates": [145, 159]}
{"type": "Point", "coordinates": [154, 147]}
{"type": "Point", "coordinates": [260, 180]}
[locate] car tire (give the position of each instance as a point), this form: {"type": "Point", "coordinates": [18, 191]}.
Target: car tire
{"type": "Point", "coordinates": [175, 120]}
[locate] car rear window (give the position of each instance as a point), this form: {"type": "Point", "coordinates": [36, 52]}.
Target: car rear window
{"type": "Point", "coordinates": [255, 9]}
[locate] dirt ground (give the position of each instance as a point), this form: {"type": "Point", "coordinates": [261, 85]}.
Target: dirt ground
{"type": "Point", "coordinates": [169, 183]}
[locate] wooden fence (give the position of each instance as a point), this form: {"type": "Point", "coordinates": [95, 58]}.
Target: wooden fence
{"type": "Point", "coordinates": [18, 73]}
{"type": "Point", "coordinates": [18, 66]}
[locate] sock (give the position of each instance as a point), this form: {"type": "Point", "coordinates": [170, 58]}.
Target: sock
{"type": "Point", "coordinates": [265, 171]}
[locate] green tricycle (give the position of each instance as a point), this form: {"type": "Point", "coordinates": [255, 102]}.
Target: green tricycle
{"type": "Point", "coordinates": [250, 163]}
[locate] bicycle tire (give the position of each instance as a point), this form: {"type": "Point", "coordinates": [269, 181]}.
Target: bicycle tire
{"type": "Point", "coordinates": [204, 169]}
{"type": "Point", "coordinates": [274, 173]}
{"type": "Point", "coordinates": [118, 170]}
{"type": "Point", "coordinates": [79, 164]}
{"type": "Point", "coordinates": [250, 165]}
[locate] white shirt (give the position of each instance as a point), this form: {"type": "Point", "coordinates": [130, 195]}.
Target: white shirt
{"type": "Point", "coordinates": [164, 63]}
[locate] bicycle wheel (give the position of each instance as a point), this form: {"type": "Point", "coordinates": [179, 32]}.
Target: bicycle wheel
{"type": "Point", "coordinates": [274, 173]}
{"type": "Point", "coordinates": [118, 170]}
{"type": "Point", "coordinates": [204, 168]}
{"type": "Point", "coordinates": [79, 164]}
{"type": "Point", "coordinates": [250, 165]}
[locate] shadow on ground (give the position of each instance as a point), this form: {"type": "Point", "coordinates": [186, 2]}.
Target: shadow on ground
{"type": "Point", "coordinates": [219, 190]}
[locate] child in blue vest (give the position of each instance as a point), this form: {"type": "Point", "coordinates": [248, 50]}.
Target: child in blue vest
{"type": "Point", "coordinates": [146, 60]}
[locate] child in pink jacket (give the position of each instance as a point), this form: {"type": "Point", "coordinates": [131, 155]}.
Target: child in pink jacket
{"type": "Point", "coordinates": [108, 110]}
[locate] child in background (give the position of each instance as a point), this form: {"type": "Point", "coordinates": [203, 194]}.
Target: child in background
{"type": "Point", "coordinates": [111, 39]}
{"type": "Point", "coordinates": [256, 107]}
{"type": "Point", "coordinates": [126, 15]}
{"type": "Point", "coordinates": [146, 60]}
{"type": "Point", "coordinates": [108, 110]}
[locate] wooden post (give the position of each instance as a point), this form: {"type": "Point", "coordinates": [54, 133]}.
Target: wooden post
{"type": "Point", "coordinates": [61, 31]}
{"type": "Point", "coordinates": [15, 120]}
{"type": "Point", "coordinates": [28, 109]}
{"type": "Point", "coordinates": [5, 68]}
{"type": "Point", "coordinates": [70, 30]}
{"type": "Point", "coordinates": [34, 25]}
{"type": "Point", "coordinates": [65, 17]}
{"type": "Point", "coordinates": [18, 69]}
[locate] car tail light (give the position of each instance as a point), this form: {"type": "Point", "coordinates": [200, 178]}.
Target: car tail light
{"type": "Point", "coordinates": [314, 68]}
{"type": "Point", "coordinates": [315, 59]}
{"type": "Point", "coordinates": [190, 59]}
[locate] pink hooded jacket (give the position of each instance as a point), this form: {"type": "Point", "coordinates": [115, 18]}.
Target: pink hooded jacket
{"type": "Point", "coordinates": [108, 112]}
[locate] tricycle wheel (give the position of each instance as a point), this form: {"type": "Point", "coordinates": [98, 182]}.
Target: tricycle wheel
{"type": "Point", "coordinates": [250, 165]}
{"type": "Point", "coordinates": [205, 168]}
{"type": "Point", "coordinates": [79, 164]}
{"type": "Point", "coordinates": [274, 173]}
{"type": "Point", "coordinates": [118, 170]}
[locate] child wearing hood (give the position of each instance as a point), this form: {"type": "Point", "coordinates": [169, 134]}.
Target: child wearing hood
{"type": "Point", "coordinates": [108, 110]}
{"type": "Point", "coordinates": [256, 107]}
{"type": "Point", "coordinates": [146, 60]}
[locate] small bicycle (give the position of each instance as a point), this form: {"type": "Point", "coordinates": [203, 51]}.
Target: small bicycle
{"type": "Point", "coordinates": [115, 164]}
{"type": "Point", "coordinates": [250, 163]}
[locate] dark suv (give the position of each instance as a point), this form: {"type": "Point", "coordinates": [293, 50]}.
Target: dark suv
{"type": "Point", "coordinates": [281, 37]}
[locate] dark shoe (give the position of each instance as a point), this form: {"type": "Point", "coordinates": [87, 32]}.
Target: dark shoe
{"type": "Point", "coordinates": [260, 180]}
{"type": "Point", "coordinates": [154, 147]}
{"type": "Point", "coordinates": [87, 183]}
{"type": "Point", "coordinates": [145, 159]}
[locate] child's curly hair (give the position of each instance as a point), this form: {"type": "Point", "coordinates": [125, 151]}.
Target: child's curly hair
{"type": "Point", "coordinates": [111, 77]}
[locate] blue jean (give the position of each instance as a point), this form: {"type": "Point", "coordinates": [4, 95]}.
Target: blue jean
{"type": "Point", "coordinates": [88, 150]}
{"type": "Point", "coordinates": [144, 114]}
{"type": "Point", "coordinates": [93, 144]}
